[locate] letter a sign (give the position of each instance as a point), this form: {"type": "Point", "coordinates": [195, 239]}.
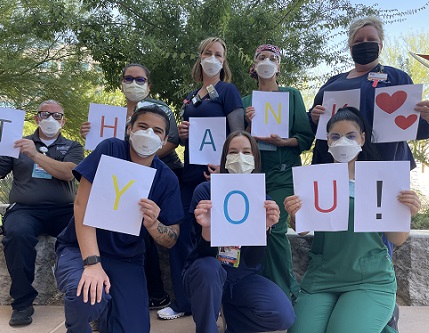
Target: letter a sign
{"type": "Point", "coordinates": [206, 138]}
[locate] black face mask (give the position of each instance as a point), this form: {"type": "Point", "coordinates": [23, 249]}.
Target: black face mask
{"type": "Point", "coordinates": [364, 53]}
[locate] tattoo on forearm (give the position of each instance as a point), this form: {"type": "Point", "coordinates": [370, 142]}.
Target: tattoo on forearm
{"type": "Point", "coordinates": [167, 235]}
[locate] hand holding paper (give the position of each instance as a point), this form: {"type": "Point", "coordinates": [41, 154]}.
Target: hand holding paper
{"type": "Point", "coordinates": [203, 216]}
{"type": "Point", "coordinates": [273, 212]}
{"type": "Point", "coordinates": [150, 213]}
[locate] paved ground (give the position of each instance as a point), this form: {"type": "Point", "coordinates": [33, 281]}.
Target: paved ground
{"type": "Point", "coordinates": [50, 319]}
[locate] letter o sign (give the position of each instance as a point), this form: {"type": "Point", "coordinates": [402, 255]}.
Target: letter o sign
{"type": "Point", "coordinates": [246, 204]}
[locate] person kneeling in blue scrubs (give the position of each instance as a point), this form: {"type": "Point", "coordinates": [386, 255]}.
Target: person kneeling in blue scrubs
{"type": "Point", "coordinates": [102, 272]}
{"type": "Point", "coordinates": [251, 302]}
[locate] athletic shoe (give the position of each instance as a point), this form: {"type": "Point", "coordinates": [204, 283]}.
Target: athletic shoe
{"type": "Point", "coordinates": [159, 303]}
{"type": "Point", "coordinates": [393, 322]}
{"type": "Point", "coordinates": [168, 313]}
{"type": "Point", "coordinates": [22, 317]}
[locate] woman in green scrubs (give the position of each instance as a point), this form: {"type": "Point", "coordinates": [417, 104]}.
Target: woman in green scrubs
{"type": "Point", "coordinates": [350, 283]}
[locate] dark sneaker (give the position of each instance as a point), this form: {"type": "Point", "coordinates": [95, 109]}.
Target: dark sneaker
{"type": "Point", "coordinates": [159, 303]}
{"type": "Point", "coordinates": [22, 317]}
{"type": "Point", "coordinates": [393, 322]}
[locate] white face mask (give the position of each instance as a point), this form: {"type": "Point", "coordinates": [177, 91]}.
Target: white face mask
{"type": "Point", "coordinates": [135, 92]}
{"type": "Point", "coordinates": [211, 66]}
{"type": "Point", "coordinates": [344, 150]}
{"type": "Point", "coordinates": [266, 68]}
{"type": "Point", "coordinates": [240, 163]}
{"type": "Point", "coordinates": [50, 127]}
{"type": "Point", "coordinates": [145, 142]}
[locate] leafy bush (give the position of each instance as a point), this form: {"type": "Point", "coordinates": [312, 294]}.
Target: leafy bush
{"type": "Point", "coordinates": [421, 220]}
{"type": "Point", "coordinates": [5, 186]}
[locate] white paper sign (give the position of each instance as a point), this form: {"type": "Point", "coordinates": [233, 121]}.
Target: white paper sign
{"type": "Point", "coordinates": [324, 192]}
{"type": "Point", "coordinates": [394, 116]}
{"type": "Point", "coordinates": [238, 216]}
{"type": "Point", "coordinates": [332, 101]}
{"type": "Point", "coordinates": [206, 138]}
{"type": "Point", "coordinates": [107, 121]}
{"type": "Point", "coordinates": [116, 190]}
{"type": "Point", "coordinates": [377, 186]}
{"type": "Point", "coordinates": [271, 114]}
{"type": "Point", "coordinates": [11, 127]}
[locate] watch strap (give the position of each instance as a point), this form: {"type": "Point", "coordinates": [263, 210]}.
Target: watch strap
{"type": "Point", "coordinates": [91, 260]}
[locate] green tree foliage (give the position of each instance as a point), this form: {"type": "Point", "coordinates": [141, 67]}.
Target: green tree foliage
{"type": "Point", "coordinates": [37, 35]}
{"type": "Point", "coordinates": [164, 35]}
{"type": "Point", "coordinates": [40, 60]}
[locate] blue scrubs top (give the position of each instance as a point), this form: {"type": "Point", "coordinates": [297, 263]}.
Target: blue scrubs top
{"type": "Point", "coordinates": [390, 151]}
{"type": "Point", "coordinates": [251, 256]}
{"type": "Point", "coordinates": [164, 192]}
{"type": "Point", "coordinates": [229, 100]}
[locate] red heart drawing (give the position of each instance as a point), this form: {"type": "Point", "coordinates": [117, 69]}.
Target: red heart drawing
{"type": "Point", "coordinates": [405, 122]}
{"type": "Point", "coordinates": [392, 103]}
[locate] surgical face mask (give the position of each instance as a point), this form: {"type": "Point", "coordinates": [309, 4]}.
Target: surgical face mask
{"type": "Point", "coordinates": [50, 127]}
{"type": "Point", "coordinates": [135, 92]}
{"type": "Point", "coordinates": [240, 163]}
{"type": "Point", "coordinates": [365, 53]}
{"type": "Point", "coordinates": [266, 69]}
{"type": "Point", "coordinates": [145, 142]}
{"type": "Point", "coordinates": [344, 150]}
{"type": "Point", "coordinates": [211, 66]}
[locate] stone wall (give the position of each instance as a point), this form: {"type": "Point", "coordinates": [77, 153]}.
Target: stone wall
{"type": "Point", "coordinates": [44, 280]}
{"type": "Point", "coordinates": [411, 261]}
{"type": "Point", "coordinates": [411, 266]}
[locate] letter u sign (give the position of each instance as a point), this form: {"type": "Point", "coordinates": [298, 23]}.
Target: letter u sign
{"type": "Point", "coordinates": [246, 207]}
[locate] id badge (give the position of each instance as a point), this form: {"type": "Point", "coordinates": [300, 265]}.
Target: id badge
{"type": "Point", "coordinates": [39, 172]}
{"type": "Point", "coordinates": [266, 146]}
{"type": "Point", "coordinates": [372, 76]}
{"type": "Point", "coordinates": [229, 255]}
{"type": "Point", "coordinates": [376, 77]}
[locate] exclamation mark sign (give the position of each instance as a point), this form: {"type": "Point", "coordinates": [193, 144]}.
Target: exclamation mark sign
{"type": "Point", "coordinates": [379, 195]}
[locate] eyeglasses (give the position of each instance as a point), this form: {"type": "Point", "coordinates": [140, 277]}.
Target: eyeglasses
{"type": "Point", "coordinates": [129, 79]}
{"type": "Point", "coordinates": [47, 114]}
{"type": "Point", "coordinates": [336, 136]}
{"type": "Point", "coordinates": [272, 57]}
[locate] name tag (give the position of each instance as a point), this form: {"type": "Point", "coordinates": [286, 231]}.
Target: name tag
{"type": "Point", "coordinates": [372, 76]}
{"type": "Point", "coordinates": [39, 172]}
{"type": "Point", "coordinates": [229, 255]}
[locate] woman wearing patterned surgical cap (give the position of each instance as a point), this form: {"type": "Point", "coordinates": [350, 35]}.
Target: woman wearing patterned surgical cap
{"type": "Point", "coordinates": [278, 157]}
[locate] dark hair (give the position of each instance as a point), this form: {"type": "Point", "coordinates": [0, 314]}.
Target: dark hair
{"type": "Point", "coordinates": [253, 144]}
{"type": "Point", "coordinates": [150, 109]}
{"type": "Point", "coordinates": [349, 113]}
{"type": "Point", "coordinates": [137, 65]}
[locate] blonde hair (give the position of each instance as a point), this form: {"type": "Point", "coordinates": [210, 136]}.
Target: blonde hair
{"type": "Point", "coordinates": [197, 72]}
{"type": "Point", "coordinates": [363, 22]}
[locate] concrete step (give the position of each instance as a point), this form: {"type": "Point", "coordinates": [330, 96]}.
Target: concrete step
{"type": "Point", "coordinates": [50, 319]}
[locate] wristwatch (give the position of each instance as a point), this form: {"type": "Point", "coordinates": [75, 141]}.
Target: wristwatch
{"type": "Point", "coordinates": [91, 260]}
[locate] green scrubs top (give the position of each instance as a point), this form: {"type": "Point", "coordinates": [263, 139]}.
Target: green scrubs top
{"type": "Point", "coordinates": [347, 260]}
